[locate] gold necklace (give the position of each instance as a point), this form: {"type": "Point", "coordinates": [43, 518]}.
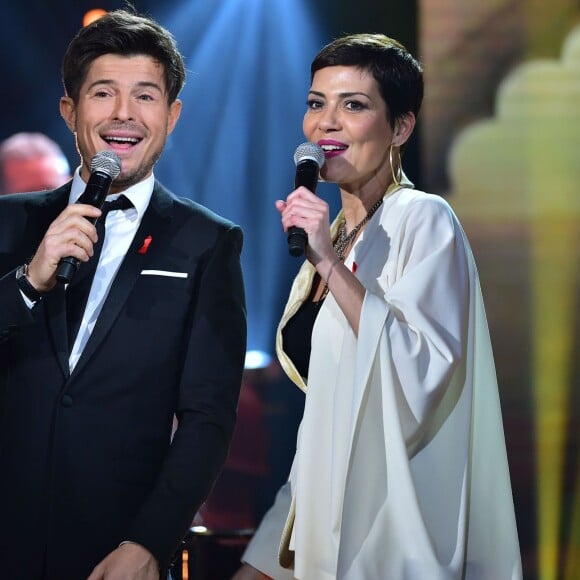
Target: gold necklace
{"type": "Point", "coordinates": [343, 239]}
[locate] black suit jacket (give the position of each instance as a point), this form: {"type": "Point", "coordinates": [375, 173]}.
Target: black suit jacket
{"type": "Point", "coordinates": [86, 459]}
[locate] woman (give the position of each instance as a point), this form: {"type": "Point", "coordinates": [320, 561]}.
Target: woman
{"type": "Point", "coordinates": [400, 470]}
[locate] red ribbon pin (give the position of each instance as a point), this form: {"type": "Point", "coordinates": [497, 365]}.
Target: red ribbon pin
{"type": "Point", "coordinates": [146, 243]}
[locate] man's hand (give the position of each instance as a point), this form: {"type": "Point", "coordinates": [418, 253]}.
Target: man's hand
{"type": "Point", "coordinates": [247, 572]}
{"type": "Point", "coordinates": [128, 562]}
{"type": "Point", "coordinates": [70, 234]}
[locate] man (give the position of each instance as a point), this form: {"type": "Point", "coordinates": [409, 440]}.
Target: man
{"type": "Point", "coordinates": [31, 162]}
{"type": "Point", "coordinates": [90, 484]}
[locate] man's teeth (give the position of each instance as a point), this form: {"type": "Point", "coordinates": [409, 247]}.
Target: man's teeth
{"type": "Point", "coordinates": [131, 140]}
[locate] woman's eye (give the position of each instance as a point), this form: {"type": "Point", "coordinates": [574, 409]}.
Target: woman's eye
{"type": "Point", "coordinates": [314, 104]}
{"type": "Point", "coordinates": [354, 105]}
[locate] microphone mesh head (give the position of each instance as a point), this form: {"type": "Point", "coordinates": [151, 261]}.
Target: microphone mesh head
{"type": "Point", "coordinates": [108, 162]}
{"type": "Point", "coordinates": [309, 151]}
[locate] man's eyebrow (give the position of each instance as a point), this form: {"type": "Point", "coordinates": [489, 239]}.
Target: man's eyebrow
{"type": "Point", "coordinates": [112, 82]}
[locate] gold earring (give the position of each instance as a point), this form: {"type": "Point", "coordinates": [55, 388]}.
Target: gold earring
{"type": "Point", "coordinates": [399, 175]}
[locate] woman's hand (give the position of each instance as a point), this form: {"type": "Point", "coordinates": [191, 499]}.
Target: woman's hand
{"type": "Point", "coordinates": [305, 210]}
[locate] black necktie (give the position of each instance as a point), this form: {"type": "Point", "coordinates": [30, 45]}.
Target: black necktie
{"type": "Point", "coordinates": [77, 291]}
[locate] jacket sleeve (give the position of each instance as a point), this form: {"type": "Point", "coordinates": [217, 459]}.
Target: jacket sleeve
{"type": "Point", "coordinates": [14, 312]}
{"type": "Point", "coordinates": [21, 230]}
{"type": "Point", "coordinates": [214, 351]}
{"type": "Point", "coordinates": [424, 296]}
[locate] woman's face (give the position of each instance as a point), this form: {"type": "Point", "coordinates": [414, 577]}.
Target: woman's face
{"type": "Point", "coordinates": [347, 117]}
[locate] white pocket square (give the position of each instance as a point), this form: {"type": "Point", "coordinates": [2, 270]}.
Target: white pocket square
{"type": "Point", "coordinates": [164, 273]}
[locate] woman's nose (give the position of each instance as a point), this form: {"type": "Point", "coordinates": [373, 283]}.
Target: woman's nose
{"type": "Point", "coordinates": [329, 120]}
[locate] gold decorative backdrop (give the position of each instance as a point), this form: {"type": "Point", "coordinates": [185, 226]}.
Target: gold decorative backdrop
{"type": "Point", "coordinates": [502, 140]}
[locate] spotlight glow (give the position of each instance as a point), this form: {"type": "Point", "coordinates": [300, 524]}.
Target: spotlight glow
{"type": "Point", "coordinates": [93, 15]}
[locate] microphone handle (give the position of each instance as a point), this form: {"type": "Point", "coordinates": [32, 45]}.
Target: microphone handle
{"type": "Point", "coordinates": [306, 175]}
{"type": "Point", "coordinates": [67, 268]}
{"type": "Point", "coordinates": [95, 194]}
{"type": "Point", "coordinates": [297, 240]}
{"type": "Point", "coordinates": [96, 190]}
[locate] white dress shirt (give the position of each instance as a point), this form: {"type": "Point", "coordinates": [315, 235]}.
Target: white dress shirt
{"type": "Point", "coordinates": [121, 227]}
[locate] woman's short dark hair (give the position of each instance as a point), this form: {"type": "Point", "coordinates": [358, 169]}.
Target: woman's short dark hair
{"type": "Point", "coordinates": [127, 34]}
{"type": "Point", "coordinates": [398, 74]}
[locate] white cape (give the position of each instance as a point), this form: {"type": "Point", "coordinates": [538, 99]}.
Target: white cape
{"type": "Point", "coordinates": [401, 469]}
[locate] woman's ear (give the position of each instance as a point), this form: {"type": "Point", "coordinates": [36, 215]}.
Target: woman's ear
{"type": "Point", "coordinates": [404, 126]}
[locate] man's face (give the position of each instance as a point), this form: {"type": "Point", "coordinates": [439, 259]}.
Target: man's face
{"type": "Point", "coordinates": [122, 107]}
{"type": "Point", "coordinates": [34, 173]}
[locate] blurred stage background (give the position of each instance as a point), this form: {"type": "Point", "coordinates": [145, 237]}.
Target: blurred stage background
{"type": "Point", "coordinates": [498, 137]}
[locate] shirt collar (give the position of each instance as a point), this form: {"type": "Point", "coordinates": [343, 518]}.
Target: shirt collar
{"type": "Point", "coordinates": [138, 194]}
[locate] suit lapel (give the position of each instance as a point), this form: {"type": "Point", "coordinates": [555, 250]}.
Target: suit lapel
{"type": "Point", "coordinates": [155, 224]}
{"type": "Point", "coordinates": [54, 303]}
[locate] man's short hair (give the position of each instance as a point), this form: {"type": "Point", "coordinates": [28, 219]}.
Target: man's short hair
{"type": "Point", "coordinates": [125, 34]}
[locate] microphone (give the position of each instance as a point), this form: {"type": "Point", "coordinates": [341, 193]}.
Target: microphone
{"type": "Point", "coordinates": [105, 167]}
{"type": "Point", "coordinates": [309, 158]}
